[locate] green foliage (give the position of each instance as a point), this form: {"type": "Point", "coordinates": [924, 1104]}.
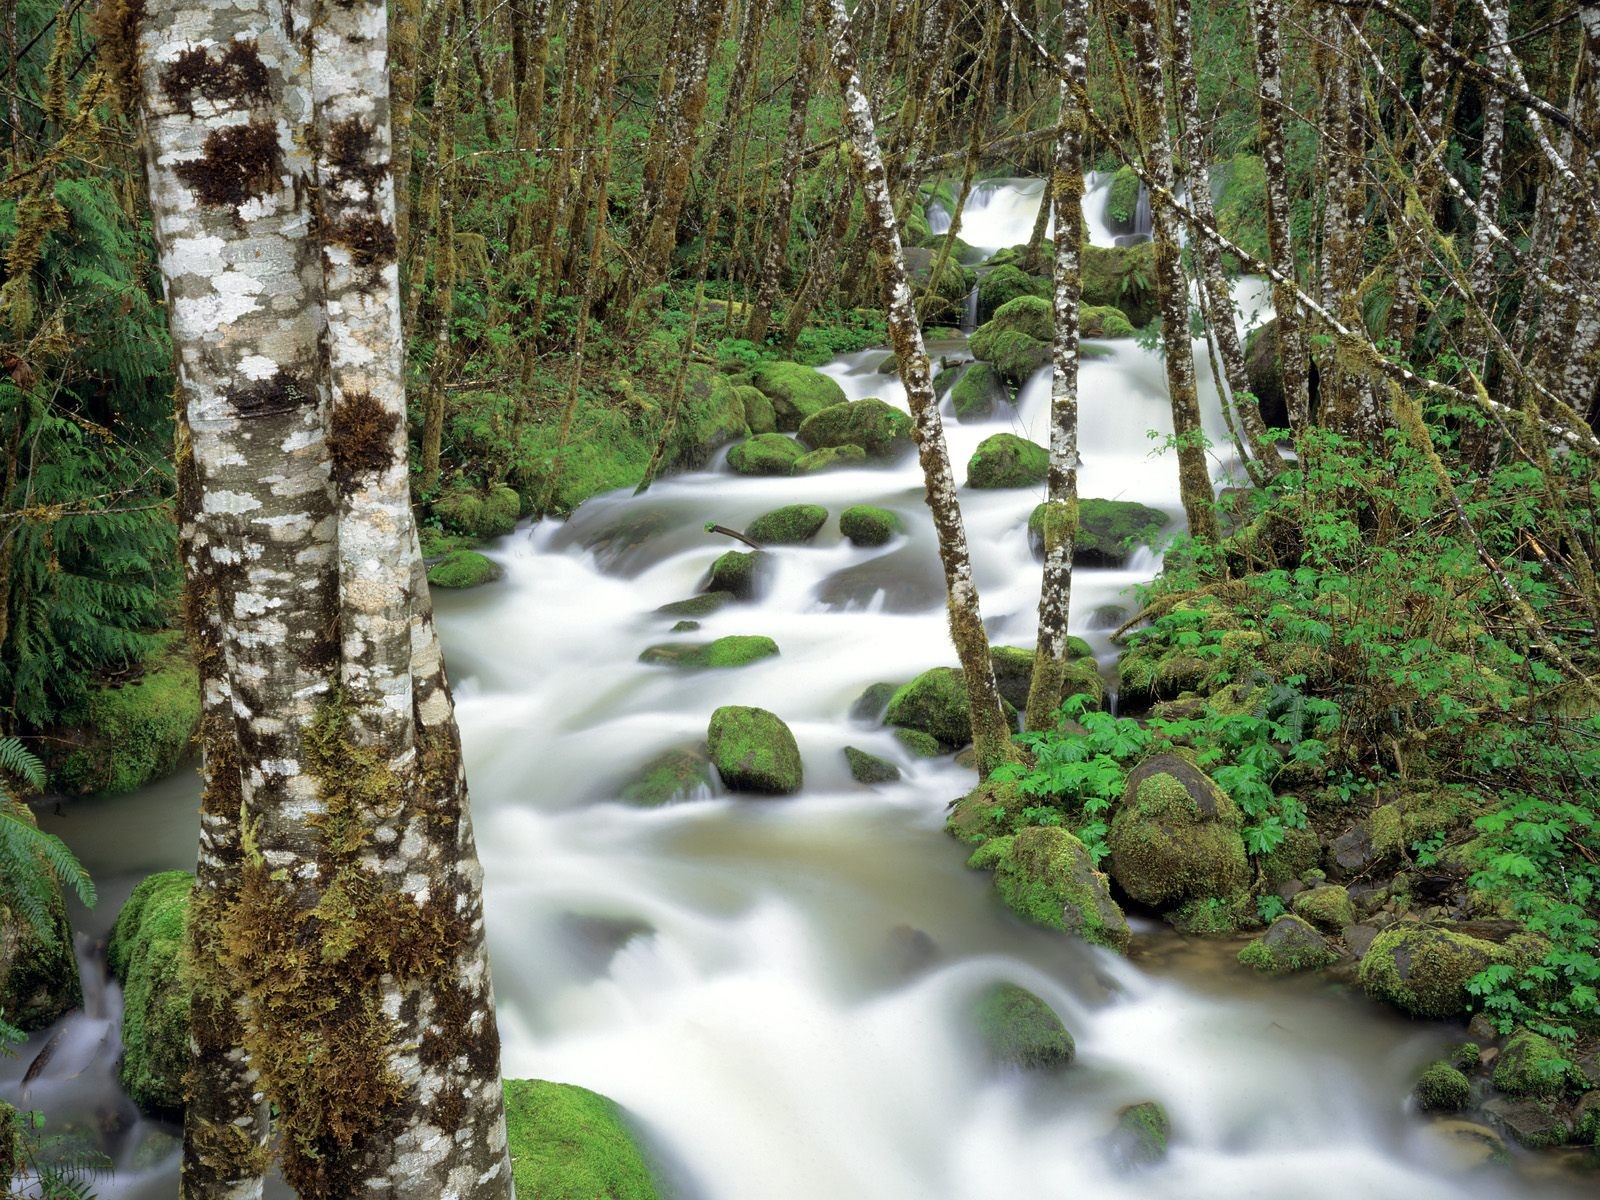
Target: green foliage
{"type": "Point", "coordinates": [568, 1143]}
{"type": "Point", "coordinates": [34, 865]}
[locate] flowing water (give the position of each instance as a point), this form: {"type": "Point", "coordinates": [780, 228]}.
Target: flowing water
{"type": "Point", "coordinates": [779, 990]}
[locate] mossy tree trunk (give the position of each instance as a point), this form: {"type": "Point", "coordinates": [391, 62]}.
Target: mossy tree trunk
{"type": "Point", "coordinates": [775, 255]}
{"type": "Point", "coordinates": [991, 735]}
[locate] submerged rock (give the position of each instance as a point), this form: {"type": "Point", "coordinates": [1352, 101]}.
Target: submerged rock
{"type": "Point", "coordinates": [702, 605]}
{"type": "Point", "coordinates": [1288, 945]}
{"type": "Point", "coordinates": [1141, 1136]}
{"type": "Point", "coordinates": [920, 744]}
{"type": "Point", "coordinates": [788, 526]}
{"type": "Point", "coordinates": [735, 650]}
{"type": "Point", "coordinates": [670, 775]}
{"type": "Point", "coordinates": [754, 751]}
{"type": "Point", "coordinates": [1107, 530]}
{"type": "Point", "coordinates": [796, 391]}
{"type": "Point", "coordinates": [869, 768]}
{"type": "Point", "coordinates": [463, 569]}
{"type": "Point", "coordinates": [1005, 460]}
{"type": "Point", "coordinates": [568, 1143]}
{"type": "Point", "coordinates": [978, 393]}
{"type": "Point", "coordinates": [866, 525]}
{"type": "Point", "coordinates": [935, 703]}
{"type": "Point", "coordinates": [743, 573]}
{"type": "Point", "coordinates": [1020, 1030]}
{"type": "Point", "coordinates": [827, 459]}
{"type": "Point", "coordinates": [1175, 836]}
{"type": "Point", "coordinates": [880, 429]}
{"type": "Point", "coordinates": [145, 954]}
{"type": "Point", "coordinates": [1046, 876]}
{"type": "Point", "coordinates": [873, 703]}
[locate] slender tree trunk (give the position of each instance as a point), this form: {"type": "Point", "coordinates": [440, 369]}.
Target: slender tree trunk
{"type": "Point", "coordinates": [444, 273]}
{"type": "Point", "coordinates": [777, 249]}
{"type": "Point", "coordinates": [1034, 257]}
{"type": "Point", "coordinates": [1491, 165]}
{"type": "Point", "coordinates": [990, 735]}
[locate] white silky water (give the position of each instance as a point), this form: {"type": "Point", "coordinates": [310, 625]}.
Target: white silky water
{"type": "Point", "coordinates": [778, 991]}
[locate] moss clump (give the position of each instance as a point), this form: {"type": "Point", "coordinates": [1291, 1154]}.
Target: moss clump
{"type": "Point", "coordinates": [1013, 673]}
{"type": "Point", "coordinates": [481, 514]}
{"type": "Point", "coordinates": [935, 703]}
{"type": "Point", "coordinates": [146, 953]}
{"type": "Point", "coordinates": [1298, 852]}
{"type": "Point", "coordinates": [1240, 203]}
{"type": "Point", "coordinates": [1122, 200]}
{"type": "Point", "coordinates": [1122, 277]}
{"type": "Point", "coordinates": [741, 573]}
{"type": "Point", "coordinates": [1030, 314]}
{"type": "Point", "coordinates": [977, 392]}
{"type": "Point", "coordinates": [1142, 1134]}
{"type": "Point", "coordinates": [865, 525]}
{"type": "Point", "coordinates": [754, 751]}
{"type": "Point", "coordinates": [827, 459]}
{"type": "Point", "coordinates": [765, 454]}
{"type": "Point", "coordinates": [463, 569]}
{"type": "Point", "coordinates": [1046, 876]}
{"type": "Point", "coordinates": [1175, 836]}
{"type": "Point", "coordinates": [1020, 1030]}
{"type": "Point", "coordinates": [758, 414]}
{"type": "Point", "coordinates": [137, 732]}
{"type": "Point", "coordinates": [789, 525]}
{"type": "Point", "coordinates": [735, 650]}
{"type": "Point", "coordinates": [1441, 1088]}
{"type": "Point", "coordinates": [879, 429]}
{"type": "Point", "coordinates": [1004, 284]}
{"type": "Point", "coordinates": [941, 300]}
{"type": "Point", "coordinates": [1326, 907]}
{"type": "Point", "coordinates": [670, 775]}
{"type": "Point", "coordinates": [702, 605]}
{"type": "Point", "coordinates": [1423, 969]}
{"type": "Point", "coordinates": [1152, 670]}
{"type": "Point", "coordinates": [796, 391]}
{"type": "Point", "coordinates": [1288, 945]}
{"type": "Point", "coordinates": [710, 414]}
{"type": "Point", "coordinates": [922, 745]}
{"type": "Point", "coordinates": [1107, 530]}
{"type": "Point", "coordinates": [1104, 321]}
{"type": "Point", "coordinates": [38, 974]}
{"type": "Point", "coordinates": [1213, 916]}
{"type": "Point", "coordinates": [872, 703]}
{"type": "Point", "coordinates": [1015, 355]}
{"type": "Point", "coordinates": [990, 810]}
{"type": "Point", "coordinates": [568, 1143]}
{"type": "Point", "coordinates": [869, 768]}
{"type": "Point", "coordinates": [1531, 1065]}
{"type": "Point", "coordinates": [1005, 460]}
{"type": "Point", "coordinates": [1387, 832]}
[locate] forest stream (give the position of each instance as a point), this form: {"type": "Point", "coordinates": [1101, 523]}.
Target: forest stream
{"type": "Point", "coordinates": [779, 991]}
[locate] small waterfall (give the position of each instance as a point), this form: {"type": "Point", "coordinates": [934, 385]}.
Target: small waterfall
{"type": "Point", "coordinates": [969, 316]}
{"type": "Point", "coordinates": [1143, 225]}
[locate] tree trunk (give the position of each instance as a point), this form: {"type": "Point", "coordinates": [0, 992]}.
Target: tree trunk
{"type": "Point", "coordinates": [777, 249]}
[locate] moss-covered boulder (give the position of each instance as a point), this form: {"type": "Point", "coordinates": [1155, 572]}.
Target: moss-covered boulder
{"type": "Point", "coordinates": [1016, 356]}
{"type": "Point", "coordinates": [146, 953]}
{"type": "Point", "coordinates": [129, 734]}
{"type": "Point", "coordinates": [978, 392]}
{"type": "Point", "coordinates": [1122, 200]}
{"type": "Point", "coordinates": [38, 969]}
{"type": "Point", "coordinates": [1104, 321]}
{"type": "Point", "coordinates": [568, 1143]}
{"type": "Point", "coordinates": [789, 525]}
{"type": "Point", "coordinates": [1441, 1088]}
{"type": "Point", "coordinates": [827, 459]}
{"type": "Point", "coordinates": [880, 429]}
{"type": "Point", "coordinates": [1327, 907]}
{"type": "Point", "coordinates": [1423, 969]}
{"type": "Point", "coordinates": [1004, 284]}
{"type": "Point", "coordinates": [1107, 530]}
{"type": "Point", "coordinates": [1046, 876]}
{"type": "Point", "coordinates": [1142, 1135]}
{"type": "Point", "coordinates": [869, 768]}
{"type": "Point", "coordinates": [941, 300]}
{"type": "Point", "coordinates": [671, 775]}
{"type": "Point", "coordinates": [1029, 314]}
{"type": "Point", "coordinates": [758, 413]}
{"type": "Point", "coordinates": [735, 650]}
{"type": "Point", "coordinates": [743, 573]}
{"type": "Point", "coordinates": [1020, 1030]}
{"type": "Point", "coordinates": [935, 703]}
{"type": "Point", "coordinates": [873, 702]}
{"type": "Point", "coordinates": [702, 605]}
{"type": "Point", "coordinates": [796, 391]}
{"type": "Point", "coordinates": [711, 414]}
{"type": "Point", "coordinates": [1121, 277]}
{"type": "Point", "coordinates": [919, 744]}
{"type": "Point", "coordinates": [867, 525]}
{"type": "Point", "coordinates": [765, 454]}
{"type": "Point", "coordinates": [1530, 1064]}
{"type": "Point", "coordinates": [487, 513]}
{"type": "Point", "coordinates": [754, 751]}
{"type": "Point", "coordinates": [1013, 673]}
{"type": "Point", "coordinates": [1005, 460]}
{"type": "Point", "coordinates": [1175, 836]}
{"type": "Point", "coordinates": [1289, 944]}
{"type": "Point", "coordinates": [1150, 669]}
{"type": "Point", "coordinates": [463, 569]}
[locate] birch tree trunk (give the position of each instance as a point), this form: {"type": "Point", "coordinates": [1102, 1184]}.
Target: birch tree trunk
{"type": "Point", "coordinates": [991, 736]}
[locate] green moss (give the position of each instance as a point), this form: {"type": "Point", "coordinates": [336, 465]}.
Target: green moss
{"type": "Point", "coordinates": [1122, 201]}
{"type": "Point", "coordinates": [463, 569]}
{"type": "Point", "coordinates": [743, 573]}
{"type": "Point", "coordinates": [670, 775]}
{"type": "Point", "coordinates": [935, 703]}
{"type": "Point", "coordinates": [758, 414]}
{"type": "Point", "coordinates": [1423, 969]}
{"type": "Point", "coordinates": [765, 454]}
{"type": "Point", "coordinates": [488, 513]}
{"type": "Point", "coordinates": [789, 525]}
{"type": "Point", "coordinates": [1143, 1133]}
{"type": "Point", "coordinates": [1030, 314]}
{"type": "Point", "coordinates": [960, 251]}
{"type": "Point", "coordinates": [869, 768]}
{"type": "Point", "coordinates": [735, 650]}
{"type": "Point", "coordinates": [1004, 460]}
{"type": "Point", "coordinates": [1298, 852]}
{"type": "Point", "coordinates": [1326, 907]}
{"type": "Point", "coordinates": [1242, 203]}
{"type": "Point", "coordinates": [568, 1143]}
{"type": "Point", "coordinates": [1531, 1065]}
{"type": "Point", "coordinates": [436, 543]}
{"type": "Point", "coordinates": [1441, 1088]}
{"type": "Point", "coordinates": [1288, 945]}
{"type": "Point", "coordinates": [1175, 836]}
{"type": "Point", "coordinates": [1387, 831]}
{"type": "Point", "coordinates": [711, 413]}
{"type": "Point", "coordinates": [942, 302]}
{"type": "Point", "coordinates": [1121, 277]}
{"type": "Point", "coordinates": [827, 459]}
{"type": "Point", "coordinates": [1046, 876]}
{"type": "Point", "coordinates": [1004, 284]}
{"type": "Point", "coordinates": [1107, 530]}
{"type": "Point", "coordinates": [1020, 1030]}
{"type": "Point", "coordinates": [923, 745]}
{"type": "Point", "coordinates": [878, 428]}
{"type": "Point", "coordinates": [1213, 916]}
{"type": "Point", "coordinates": [702, 605]}
{"type": "Point", "coordinates": [135, 732]}
{"type": "Point", "coordinates": [754, 751]}
{"type": "Point", "coordinates": [865, 525]}
{"type": "Point", "coordinates": [1013, 673]}
{"type": "Point", "coordinates": [1104, 321]}
{"type": "Point", "coordinates": [873, 701]}
{"type": "Point", "coordinates": [796, 391]}
{"type": "Point", "coordinates": [146, 953]}
{"type": "Point", "coordinates": [977, 392]}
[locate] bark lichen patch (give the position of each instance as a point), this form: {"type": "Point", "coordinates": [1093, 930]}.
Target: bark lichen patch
{"type": "Point", "coordinates": [370, 240]}
{"type": "Point", "coordinates": [238, 163]}
{"type": "Point", "coordinates": [280, 392]}
{"type": "Point", "coordinates": [237, 74]}
{"type": "Point", "coordinates": [362, 440]}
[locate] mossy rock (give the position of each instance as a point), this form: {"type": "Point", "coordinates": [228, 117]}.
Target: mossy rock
{"type": "Point", "coordinates": [1121, 277]}
{"type": "Point", "coordinates": [1104, 321]}
{"type": "Point", "coordinates": [1175, 836]}
{"type": "Point", "coordinates": [788, 526]}
{"type": "Point", "coordinates": [1530, 1064]}
{"type": "Point", "coordinates": [568, 1143]}
{"type": "Point", "coordinates": [1016, 340]}
{"type": "Point", "coordinates": [869, 768]}
{"type": "Point", "coordinates": [1017, 256]}
{"type": "Point", "coordinates": [1289, 945]}
{"type": "Point", "coordinates": [702, 605]}
{"type": "Point", "coordinates": [736, 650]}
{"type": "Point", "coordinates": [919, 744]}
{"type": "Point", "coordinates": [1328, 907]}
{"type": "Point", "coordinates": [1299, 851]}
{"type": "Point", "coordinates": [1423, 969]}
{"type": "Point", "coordinates": [1005, 283]}
{"type": "Point", "coordinates": [1122, 200]}
{"type": "Point", "coordinates": [134, 733]}
{"type": "Point", "coordinates": [944, 302]}
{"type": "Point", "coordinates": [1107, 530]}
{"type": "Point", "coordinates": [796, 391]}
{"type": "Point", "coordinates": [670, 775]}
{"type": "Point", "coordinates": [827, 459]}
{"type": "Point", "coordinates": [482, 514]}
{"type": "Point", "coordinates": [1046, 876]}
{"type": "Point", "coordinates": [743, 573]}
{"type": "Point", "coordinates": [1013, 673]}
{"type": "Point", "coordinates": [758, 413]}
{"type": "Point", "coordinates": [873, 702]}
{"type": "Point", "coordinates": [754, 751]}
{"type": "Point", "coordinates": [935, 703]}
{"type": "Point", "coordinates": [867, 525]}
{"type": "Point", "coordinates": [38, 971]}
{"type": "Point", "coordinates": [710, 414]}
{"type": "Point", "coordinates": [978, 391]}
{"type": "Point", "coordinates": [1142, 1135]}
{"type": "Point", "coordinates": [1213, 916]}
{"type": "Point", "coordinates": [1030, 314]}
{"type": "Point", "coordinates": [765, 454]}
{"type": "Point", "coordinates": [1020, 1030]}
{"type": "Point", "coordinates": [1004, 460]}
{"type": "Point", "coordinates": [960, 251]}
{"type": "Point", "coordinates": [880, 429]}
{"type": "Point", "coordinates": [990, 810]}
{"type": "Point", "coordinates": [1150, 670]}
{"type": "Point", "coordinates": [463, 569]}
{"type": "Point", "coordinates": [1441, 1088]}
{"type": "Point", "coordinates": [146, 953]}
